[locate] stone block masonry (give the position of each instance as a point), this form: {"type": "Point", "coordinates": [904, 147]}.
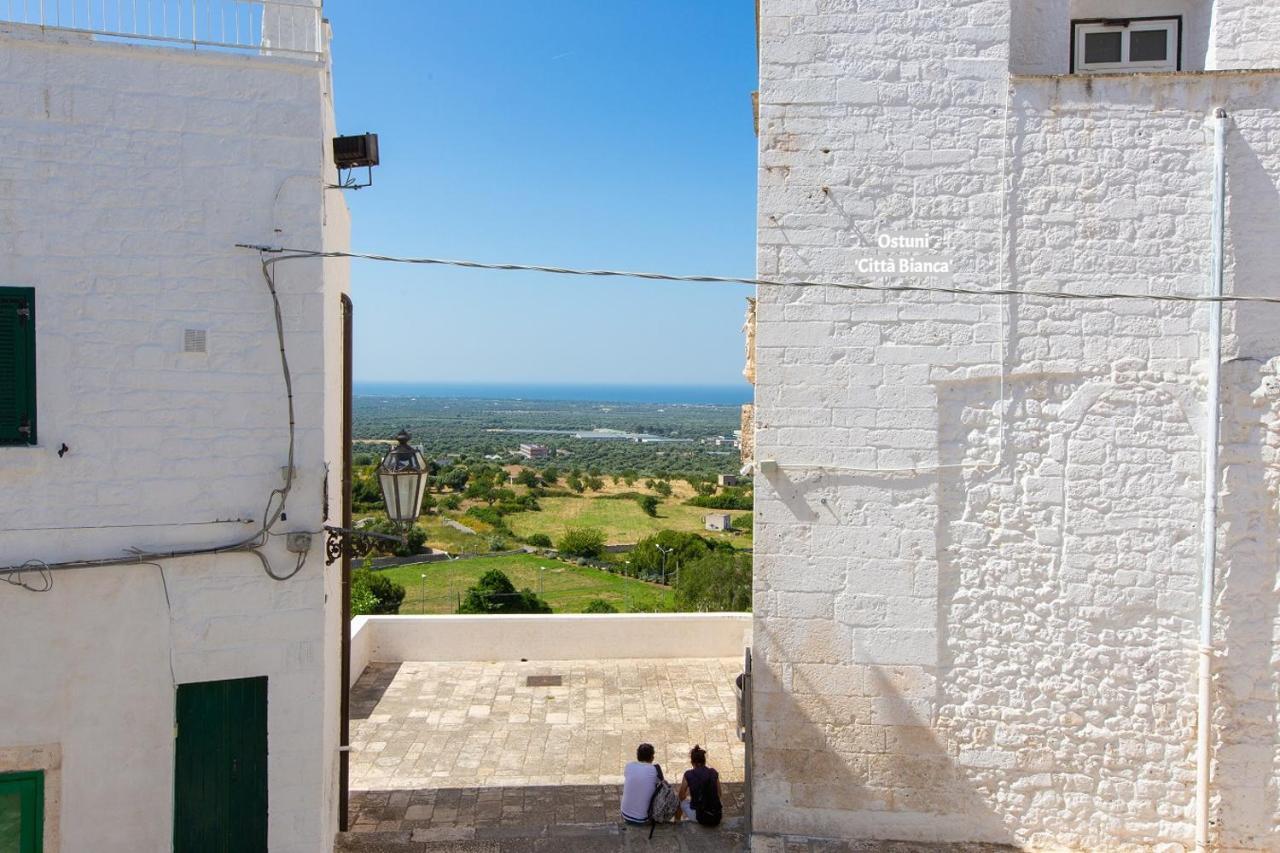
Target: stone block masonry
{"type": "Point", "coordinates": [976, 562]}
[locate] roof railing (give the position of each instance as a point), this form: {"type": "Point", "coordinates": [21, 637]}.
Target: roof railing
{"type": "Point", "coordinates": [268, 27]}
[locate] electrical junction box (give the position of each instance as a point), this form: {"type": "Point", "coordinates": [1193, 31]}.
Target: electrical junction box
{"type": "Point", "coordinates": [298, 543]}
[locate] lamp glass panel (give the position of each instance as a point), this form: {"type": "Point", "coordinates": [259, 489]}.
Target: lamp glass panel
{"type": "Point", "coordinates": [407, 494]}
{"type": "Point", "coordinates": [388, 483]}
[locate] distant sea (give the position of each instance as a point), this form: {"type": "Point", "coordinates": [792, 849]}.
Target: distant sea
{"type": "Point", "coordinates": [706, 395]}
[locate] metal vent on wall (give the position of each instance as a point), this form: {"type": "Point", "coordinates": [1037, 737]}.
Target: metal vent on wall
{"type": "Point", "coordinates": [195, 340]}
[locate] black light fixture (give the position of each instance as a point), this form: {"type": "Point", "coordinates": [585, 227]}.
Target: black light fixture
{"type": "Point", "coordinates": [403, 477]}
{"type": "Point", "coordinates": [355, 152]}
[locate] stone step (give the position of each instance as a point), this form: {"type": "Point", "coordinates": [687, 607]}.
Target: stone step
{"type": "Point", "coordinates": [553, 838]}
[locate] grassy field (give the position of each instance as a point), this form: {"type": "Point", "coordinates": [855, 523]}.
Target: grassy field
{"type": "Point", "coordinates": [623, 521]}
{"type": "Point", "coordinates": [567, 588]}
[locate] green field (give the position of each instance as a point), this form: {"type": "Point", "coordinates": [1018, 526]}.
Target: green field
{"type": "Point", "coordinates": [567, 588]}
{"type": "Point", "coordinates": [623, 521]}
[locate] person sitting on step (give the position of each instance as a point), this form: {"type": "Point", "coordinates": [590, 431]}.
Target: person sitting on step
{"type": "Point", "coordinates": [700, 791]}
{"type": "Point", "coordinates": [638, 780]}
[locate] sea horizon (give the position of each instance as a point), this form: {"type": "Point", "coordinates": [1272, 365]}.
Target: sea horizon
{"type": "Point", "coordinates": [585, 392]}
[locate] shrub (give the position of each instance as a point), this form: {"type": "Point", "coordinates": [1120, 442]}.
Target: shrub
{"type": "Point", "coordinates": [647, 558]}
{"type": "Point", "coordinates": [724, 500]}
{"type": "Point", "coordinates": [599, 605]}
{"type": "Point", "coordinates": [415, 537]}
{"type": "Point", "coordinates": [494, 593]}
{"type": "Point", "coordinates": [539, 540]}
{"type": "Point", "coordinates": [649, 504]}
{"type": "Point", "coordinates": [374, 593]}
{"type": "Point", "coordinates": [721, 580]}
{"type": "Point", "coordinates": [582, 542]}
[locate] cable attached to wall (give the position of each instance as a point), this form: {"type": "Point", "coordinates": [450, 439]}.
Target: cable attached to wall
{"type": "Point", "coordinates": [18, 575]}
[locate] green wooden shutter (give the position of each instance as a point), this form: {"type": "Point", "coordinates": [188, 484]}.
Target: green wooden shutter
{"type": "Point", "coordinates": [22, 812]}
{"type": "Point", "coordinates": [17, 365]}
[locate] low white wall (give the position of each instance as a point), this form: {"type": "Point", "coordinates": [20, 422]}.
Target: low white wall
{"type": "Point", "coordinates": [567, 637]}
{"type": "Point", "coordinates": [361, 642]}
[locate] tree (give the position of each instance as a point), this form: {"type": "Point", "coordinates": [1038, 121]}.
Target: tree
{"type": "Point", "coordinates": [599, 605]}
{"type": "Point", "coordinates": [494, 593]}
{"type": "Point", "coordinates": [550, 475]}
{"type": "Point", "coordinates": [538, 540]}
{"type": "Point", "coordinates": [582, 542]}
{"type": "Point", "coordinates": [663, 488]}
{"type": "Point", "coordinates": [528, 477]}
{"type": "Point", "coordinates": [666, 551]}
{"type": "Point", "coordinates": [374, 591]}
{"type": "Point", "coordinates": [720, 580]}
{"type": "Point", "coordinates": [455, 478]}
{"type": "Point", "coordinates": [649, 504]}
{"type": "Point", "coordinates": [595, 483]}
{"type": "Point", "coordinates": [575, 482]}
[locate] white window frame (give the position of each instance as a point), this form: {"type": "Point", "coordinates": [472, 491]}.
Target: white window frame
{"type": "Point", "coordinates": [1171, 27]}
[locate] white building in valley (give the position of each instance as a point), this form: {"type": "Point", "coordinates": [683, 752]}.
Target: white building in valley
{"type": "Point", "coordinates": [982, 520]}
{"type": "Point", "coordinates": [154, 701]}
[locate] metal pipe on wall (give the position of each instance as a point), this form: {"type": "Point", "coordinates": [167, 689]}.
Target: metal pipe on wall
{"type": "Point", "coordinates": [1209, 524]}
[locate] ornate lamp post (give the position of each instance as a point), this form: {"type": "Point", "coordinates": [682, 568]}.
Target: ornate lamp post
{"type": "Point", "coordinates": [402, 474]}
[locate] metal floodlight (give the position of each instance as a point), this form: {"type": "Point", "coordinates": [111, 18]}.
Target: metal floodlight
{"type": "Point", "coordinates": [403, 477]}
{"type": "Point", "coordinates": [353, 152]}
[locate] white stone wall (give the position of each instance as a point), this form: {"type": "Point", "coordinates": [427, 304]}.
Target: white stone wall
{"type": "Point", "coordinates": [132, 172]}
{"type": "Point", "coordinates": [999, 643]}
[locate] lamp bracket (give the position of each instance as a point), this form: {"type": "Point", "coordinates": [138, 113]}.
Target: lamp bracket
{"type": "Point", "coordinates": [341, 542]}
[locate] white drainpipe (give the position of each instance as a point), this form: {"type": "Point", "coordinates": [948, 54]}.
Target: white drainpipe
{"type": "Point", "coordinates": [1204, 710]}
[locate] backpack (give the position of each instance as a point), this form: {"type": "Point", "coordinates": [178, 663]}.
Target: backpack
{"type": "Point", "coordinates": [663, 804]}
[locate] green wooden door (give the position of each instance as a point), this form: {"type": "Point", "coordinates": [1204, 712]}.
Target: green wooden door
{"type": "Point", "coordinates": [22, 812]}
{"type": "Point", "coordinates": [220, 777]}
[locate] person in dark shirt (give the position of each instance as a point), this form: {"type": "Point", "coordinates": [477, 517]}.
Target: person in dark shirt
{"type": "Point", "coordinates": [700, 791]}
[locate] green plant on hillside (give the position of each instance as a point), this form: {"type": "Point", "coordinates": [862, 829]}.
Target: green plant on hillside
{"type": "Point", "coordinates": [415, 538]}
{"type": "Point", "coordinates": [718, 581]}
{"type": "Point", "coordinates": [494, 593]}
{"type": "Point", "coordinates": [728, 499]}
{"type": "Point", "coordinates": [667, 551]}
{"type": "Point", "coordinates": [539, 540]}
{"type": "Point", "coordinates": [582, 542]}
{"type": "Point", "coordinates": [649, 504]}
{"type": "Point", "coordinates": [599, 605]}
{"type": "Point", "coordinates": [373, 593]}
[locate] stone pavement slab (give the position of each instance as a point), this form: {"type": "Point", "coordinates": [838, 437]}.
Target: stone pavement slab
{"type": "Point", "coordinates": [465, 725]}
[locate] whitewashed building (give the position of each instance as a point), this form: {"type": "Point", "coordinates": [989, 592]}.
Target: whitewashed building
{"type": "Point", "coordinates": [144, 406]}
{"type": "Point", "coordinates": [982, 520]}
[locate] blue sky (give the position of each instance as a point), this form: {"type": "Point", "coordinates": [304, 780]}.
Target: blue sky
{"type": "Point", "coordinates": [597, 133]}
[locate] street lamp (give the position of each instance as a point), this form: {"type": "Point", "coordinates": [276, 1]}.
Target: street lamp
{"type": "Point", "coordinates": [403, 477]}
{"type": "Point", "coordinates": [402, 474]}
{"type": "Point", "coordinates": [665, 552]}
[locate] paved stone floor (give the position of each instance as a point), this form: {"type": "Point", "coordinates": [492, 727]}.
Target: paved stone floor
{"type": "Point", "coordinates": [418, 726]}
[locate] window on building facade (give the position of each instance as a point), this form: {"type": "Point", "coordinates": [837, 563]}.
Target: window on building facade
{"type": "Point", "coordinates": [1119, 46]}
{"type": "Point", "coordinates": [22, 812]}
{"type": "Point", "coordinates": [17, 365]}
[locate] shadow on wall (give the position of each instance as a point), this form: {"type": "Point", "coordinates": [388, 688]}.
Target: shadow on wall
{"type": "Point", "coordinates": [1247, 695]}
{"type": "Point", "coordinates": [845, 748]}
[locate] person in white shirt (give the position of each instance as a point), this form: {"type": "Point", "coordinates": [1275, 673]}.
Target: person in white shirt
{"type": "Point", "coordinates": [639, 778]}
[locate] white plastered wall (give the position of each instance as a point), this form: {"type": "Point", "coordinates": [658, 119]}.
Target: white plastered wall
{"type": "Point", "coordinates": [1006, 652]}
{"type": "Point", "coordinates": [133, 172]}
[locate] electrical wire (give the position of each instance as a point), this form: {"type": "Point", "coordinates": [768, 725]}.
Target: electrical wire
{"type": "Point", "coordinates": [285, 254]}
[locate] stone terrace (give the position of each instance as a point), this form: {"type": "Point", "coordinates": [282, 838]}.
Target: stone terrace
{"type": "Point", "coordinates": [447, 752]}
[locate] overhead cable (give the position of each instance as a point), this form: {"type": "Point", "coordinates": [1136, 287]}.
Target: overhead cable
{"type": "Point", "coordinates": [285, 254]}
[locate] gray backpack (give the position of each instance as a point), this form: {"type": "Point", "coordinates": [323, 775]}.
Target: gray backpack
{"type": "Point", "coordinates": [663, 804]}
